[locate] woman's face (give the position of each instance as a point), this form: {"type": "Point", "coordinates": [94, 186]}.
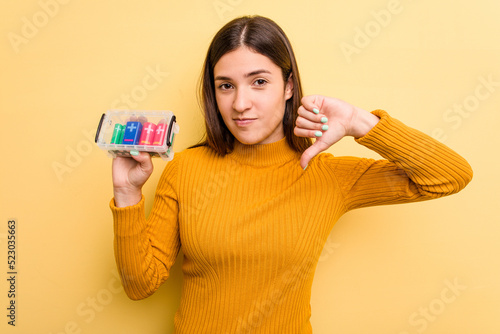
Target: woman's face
{"type": "Point", "coordinates": [251, 96]}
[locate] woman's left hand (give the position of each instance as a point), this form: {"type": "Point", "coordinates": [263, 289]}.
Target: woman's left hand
{"type": "Point", "coordinates": [328, 120]}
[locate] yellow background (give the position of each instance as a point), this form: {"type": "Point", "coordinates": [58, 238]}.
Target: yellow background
{"type": "Point", "coordinates": [384, 270]}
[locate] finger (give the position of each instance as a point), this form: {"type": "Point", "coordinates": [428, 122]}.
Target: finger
{"type": "Point", "coordinates": [311, 116]}
{"type": "Point", "coordinates": [311, 152]}
{"type": "Point", "coordinates": [304, 123]}
{"type": "Point", "coordinates": [312, 102]}
{"type": "Point", "coordinates": [307, 133]}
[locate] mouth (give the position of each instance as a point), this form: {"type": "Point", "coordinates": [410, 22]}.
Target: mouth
{"type": "Point", "coordinates": [244, 121]}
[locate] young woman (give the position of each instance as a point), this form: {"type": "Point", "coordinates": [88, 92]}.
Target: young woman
{"type": "Point", "coordinates": [253, 205]}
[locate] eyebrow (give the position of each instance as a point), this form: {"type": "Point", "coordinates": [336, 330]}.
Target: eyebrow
{"type": "Point", "coordinates": [256, 72]}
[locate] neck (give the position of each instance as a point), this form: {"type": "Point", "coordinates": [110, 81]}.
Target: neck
{"type": "Point", "coordinates": [262, 155]}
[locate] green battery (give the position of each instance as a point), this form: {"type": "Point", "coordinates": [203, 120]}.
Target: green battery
{"type": "Point", "coordinates": [122, 133]}
{"type": "Point", "coordinates": [118, 132]}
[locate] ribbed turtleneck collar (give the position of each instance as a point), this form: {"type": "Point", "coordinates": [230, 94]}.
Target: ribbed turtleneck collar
{"type": "Point", "coordinates": [263, 155]}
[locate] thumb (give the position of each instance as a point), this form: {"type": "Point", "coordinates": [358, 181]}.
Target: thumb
{"type": "Point", "coordinates": [311, 152]}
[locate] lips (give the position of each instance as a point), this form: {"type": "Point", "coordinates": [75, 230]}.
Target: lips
{"type": "Point", "coordinates": [244, 121]}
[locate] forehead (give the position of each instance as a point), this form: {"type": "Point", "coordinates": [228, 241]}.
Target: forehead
{"type": "Point", "coordinates": [242, 61]}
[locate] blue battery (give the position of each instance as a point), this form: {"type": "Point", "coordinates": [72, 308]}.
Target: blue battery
{"type": "Point", "coordinates": [132, 133]}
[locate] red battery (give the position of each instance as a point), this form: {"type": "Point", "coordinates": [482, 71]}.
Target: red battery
{"type": "Point", "coordinates": [160, 133]}
{"type": "Point", "coordinates": [148, 134]}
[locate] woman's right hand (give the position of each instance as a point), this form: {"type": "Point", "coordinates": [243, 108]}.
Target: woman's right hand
{"type": "Point", "coordinates": [129, 175]}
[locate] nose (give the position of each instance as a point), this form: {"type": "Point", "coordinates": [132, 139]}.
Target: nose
{"type": "Point", "coordinates": [242, 100]}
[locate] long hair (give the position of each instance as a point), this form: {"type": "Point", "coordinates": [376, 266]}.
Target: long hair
{"type": "Point", "coordinates": [265, 37]}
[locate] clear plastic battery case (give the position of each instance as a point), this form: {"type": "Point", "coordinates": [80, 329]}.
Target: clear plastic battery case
{"type": "Point", "coordinates": [121, 131]}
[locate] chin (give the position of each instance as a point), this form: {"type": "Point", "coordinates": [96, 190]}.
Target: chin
{"type": "Point", "coordinates": [250, 140]}
{"type": "Point", "coordinates": [247, 141]}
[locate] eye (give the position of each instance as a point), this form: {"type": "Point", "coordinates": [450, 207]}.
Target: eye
{"type": "Point", "coordinates": [260, 82]}
{"type": "Point", "coordinates": [225, 86]}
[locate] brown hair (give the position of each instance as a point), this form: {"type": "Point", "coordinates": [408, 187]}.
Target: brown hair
{"type": "Point", "coordinates": [267, 38]}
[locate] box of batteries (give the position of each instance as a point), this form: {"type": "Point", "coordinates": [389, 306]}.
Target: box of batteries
{"type": "Point", "coordinates": [121, 131]}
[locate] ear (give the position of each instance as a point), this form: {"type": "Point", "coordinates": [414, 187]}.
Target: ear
{"type": "Point", "coordinates": [289, 88]}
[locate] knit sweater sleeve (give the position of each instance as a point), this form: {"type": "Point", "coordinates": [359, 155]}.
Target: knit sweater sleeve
{"type": "Point", "coordinates": [146, 249]}
{"type": "Point", "coordinates": [416, 167]}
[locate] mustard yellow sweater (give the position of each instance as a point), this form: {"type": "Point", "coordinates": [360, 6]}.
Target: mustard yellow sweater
{"type": "Point", "coordinates": [252, 224]}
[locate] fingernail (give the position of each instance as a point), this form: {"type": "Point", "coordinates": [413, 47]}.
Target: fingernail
{"type": "Point", "coordinates": [306, 166]}
{"type": "Point", "coordinates": [324, 119]}
{"type": "Point", "coordinates": [134, 152]}
{"type": "Point", "coordinates": [318, 133]}
{"type": "Point", "coordinates": [324, 127]}
{"type": "Point", "coordinates": [316, 111]}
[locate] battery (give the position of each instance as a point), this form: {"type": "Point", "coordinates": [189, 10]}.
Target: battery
{"type": "Point", "coordinates": [160, 133]}
{"type": "Point", "coordinates": [132, 133]}
{"type": "Point", "coordinates": [117, 136]}
{"type": "Point", "coordinates": [148, 134]}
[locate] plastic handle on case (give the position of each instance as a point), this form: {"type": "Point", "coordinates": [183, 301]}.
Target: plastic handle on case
{"type": "Point", "coordinates": [99, 127]}
{"type": "Point", "coordinates": [170, 127]}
